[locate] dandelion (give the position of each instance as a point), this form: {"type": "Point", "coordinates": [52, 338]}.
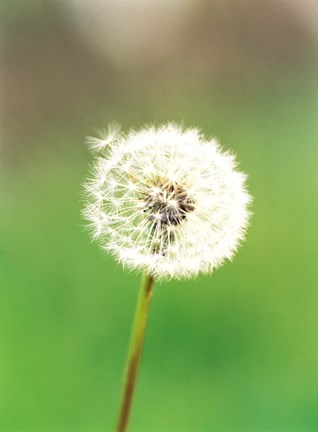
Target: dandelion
{"type": "Point", "coordinates": [169, 202]}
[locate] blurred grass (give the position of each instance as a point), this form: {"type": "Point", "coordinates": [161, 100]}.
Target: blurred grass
{"type": "Point", "coordinates": [236, 351]}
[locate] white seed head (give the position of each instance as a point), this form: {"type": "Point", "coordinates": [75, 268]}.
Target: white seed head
{"type": "Point", "coordinates": [166, 200]}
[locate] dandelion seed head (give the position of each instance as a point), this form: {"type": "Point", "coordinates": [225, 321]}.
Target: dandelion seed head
{"type": "Point", "coordinates": [166, 200]}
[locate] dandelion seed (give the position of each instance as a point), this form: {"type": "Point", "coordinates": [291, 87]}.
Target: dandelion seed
{"type": "Point", "coordinates": [106, 137]}
{"type": "Point", "coordinates": [166, 200]}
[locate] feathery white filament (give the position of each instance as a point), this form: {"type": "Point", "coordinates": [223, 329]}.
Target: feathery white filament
{"type": "Point", "coordinates": [166, 200]}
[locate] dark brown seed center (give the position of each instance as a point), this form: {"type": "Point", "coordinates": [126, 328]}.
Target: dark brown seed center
{"type": "Point", "coordinates": [167, 203]}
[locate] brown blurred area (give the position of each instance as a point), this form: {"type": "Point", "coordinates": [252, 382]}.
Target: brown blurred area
{"type": "Point", "coordinates": [70, 66]}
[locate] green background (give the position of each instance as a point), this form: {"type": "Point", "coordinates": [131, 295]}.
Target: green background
{"type": "Point", "coordinates": [235, 351]}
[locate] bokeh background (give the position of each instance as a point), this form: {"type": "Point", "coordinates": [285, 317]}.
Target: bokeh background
{"type": "Point", "coordinates": [236, 351]}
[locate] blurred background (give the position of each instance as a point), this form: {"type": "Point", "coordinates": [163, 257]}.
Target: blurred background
{"type": "Point", "coordinates": [236, 351]}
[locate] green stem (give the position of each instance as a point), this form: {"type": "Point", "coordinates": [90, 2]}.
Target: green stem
{"type": "Point", "coordinates": [135, 349]}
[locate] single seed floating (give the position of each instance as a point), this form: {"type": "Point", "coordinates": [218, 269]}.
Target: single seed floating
{"type": "Point", "coordinates": [166, 200]}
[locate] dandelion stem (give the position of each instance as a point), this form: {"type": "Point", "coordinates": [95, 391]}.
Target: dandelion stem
{"type": "Point", "coordinates": [135, 349]}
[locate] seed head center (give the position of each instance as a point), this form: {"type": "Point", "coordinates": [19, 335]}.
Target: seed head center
{"type": "Point", "coordinates": [167, 203]}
